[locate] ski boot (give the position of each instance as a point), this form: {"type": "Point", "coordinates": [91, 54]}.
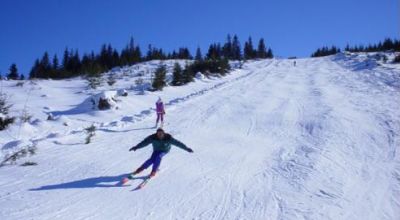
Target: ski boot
{"type": "Point", "coordinates": [130, 176]}
{"type": "Point", "coordinates": [153, 174]}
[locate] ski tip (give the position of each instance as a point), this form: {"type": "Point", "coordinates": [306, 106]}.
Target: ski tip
{"type": "Point", "coordinates": [123, 181]}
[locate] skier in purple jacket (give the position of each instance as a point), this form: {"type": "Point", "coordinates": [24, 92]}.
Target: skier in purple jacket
{"type": "Point", "coordinates": [160, 111]}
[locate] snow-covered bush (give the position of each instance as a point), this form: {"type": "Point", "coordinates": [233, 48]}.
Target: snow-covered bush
{"type": "Point", "coordinates": [384, 58]}
{"type": "Point", "coordinates": [111, 80]}
{"type": "Point", "coordinates": [19, 84]}
{"type": "Point", "coordinates": [140, 85]}
{"type": "Point", "coordinates": [25, 116]}
{"type": "Point", "coordinates": [94, 82]}
{"type": "Point", "coordinates": [103, 104]}
{"type": "Point", "coordinates": [5, 120]}
{"type": "Point", "coordinates": [105, 100]}
{"type": "Point", "coordinates": [23, 150]}
{"type": "Point", "coordinates": [397, 59]}
{"type": "Point", "coordinates": [122, 92]}
{"type": "Point", "coordinates": [50, 117]}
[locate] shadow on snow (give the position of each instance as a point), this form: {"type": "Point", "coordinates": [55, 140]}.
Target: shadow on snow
{"type": "Point", "coordinates": [85, 107]}
{"type": "Point", "coordinates": [94, 182]}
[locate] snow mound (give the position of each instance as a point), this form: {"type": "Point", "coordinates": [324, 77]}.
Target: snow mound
{"type": "Point", "coordinates": [122, 92]}
{"type": "Point", "coordinates": [199, 76]}
{"type": "Point", "coordinates": [105, 100]}
{"type": "Point", "coordinates": [371, 67]}
{"type": "Point", "coordinates": [14, 146]}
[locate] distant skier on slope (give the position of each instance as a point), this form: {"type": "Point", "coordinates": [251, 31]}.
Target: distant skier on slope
{"type": "Point", "coordinates": [160, 111]}
{"type": "Point", "coordinates": [161, 142]}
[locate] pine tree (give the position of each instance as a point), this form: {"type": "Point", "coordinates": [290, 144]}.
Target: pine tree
{"type": "Point", "coordinates": [325, 51]}
{"type": "Point", "coordinates": [347, 48]}
{"type": "Point", "coordinates": [65, 71]}
{"type": "Point", "coordinates": [248, 50]}
{"type": "Point", "coordinates": [214, 52]}
{"type": "Point", "coordinates": [124, 57]}
{"type": "Point", "coordinates": [45, 66]}
{"type": "Point", "coordinates": [199, 56]}
{"type": "Point", "coordinates": [75, 63]}
{"type": "Point", "coordinates": [262, 50]}
{"type": "Point", "coordinates": [245, 51]}
{"type": "Point", "coordinates": [227, 48]}
{"type": "Point", "coordinates": [177, 75]}
{"type": "Point", "coordinates": [236, 51]}
{"type": "Point", "coordinates": [159, 78]}
{"type": "Point", "coordinates": [55, 68]}
{"type": "Point", "coordinates": [128, 55]}
{"type": "Point", "coordinates": [104, 57]}
{"type": "Point", "coordinates": [34, 70]}
{"type": "Point", "coordinates": [160, 55]}
{"type": "Point", "coordinates": [211, 52]}
{"type": "Point", "coordinates": [55, 62]}
{"type": "Point", "coordinates": [387, 44]}
{"type": "Point", "coordinates": [397, 45]}
{"type": "Point", "coordinates": [131, 53]}
{"type": "Point", "coordinates": [115, 59]}
{"type": "Point", "coordinates": [184, 53]}
{"type": "Point", "coordinates": [223, 66]}
{"type": "Point", "coordinates": [13, 75]}
{"type": "Point", "coordinates": [270, 55]}
{"type": "Point", "coordinates": [109, 57]}
{"type": "Point", "coordinates": [137, 55]}
{"type": "Point", "coordinates": [91, 65]}
{"type": "Point", "coordinates": [173, 55]}
{"type": "Point", "coordinates": [86, 63]}
{"type": "Point", "coordinates": [188, 74]}
{"type": "Point", "coordinates": [149, 55]}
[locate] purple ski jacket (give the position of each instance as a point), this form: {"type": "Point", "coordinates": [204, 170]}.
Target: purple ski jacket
{"type": "Point", "coordinates": [160, 107]}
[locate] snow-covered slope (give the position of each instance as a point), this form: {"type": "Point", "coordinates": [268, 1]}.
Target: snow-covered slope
{"type": "Point", "coordinates": [318, 140]}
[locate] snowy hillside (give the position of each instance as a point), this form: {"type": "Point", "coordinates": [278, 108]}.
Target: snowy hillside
{"type": "Point", "coordinates": [319, 140]}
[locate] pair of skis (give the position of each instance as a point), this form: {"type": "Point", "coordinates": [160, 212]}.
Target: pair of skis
{"type": "Point", "coordinates": [125, 180]}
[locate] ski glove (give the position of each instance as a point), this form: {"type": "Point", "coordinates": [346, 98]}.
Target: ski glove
{"type": "Point", "coordinates": [190, 150]}
{"type": "Point", "coordinates": [133, 148]}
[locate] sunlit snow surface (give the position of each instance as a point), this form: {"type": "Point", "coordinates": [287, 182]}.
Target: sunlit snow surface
{"type": "Point", "coordinates": [319, 140]}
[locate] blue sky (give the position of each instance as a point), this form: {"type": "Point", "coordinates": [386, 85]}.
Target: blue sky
{"type": "Point", "coordinates": [289, 27]}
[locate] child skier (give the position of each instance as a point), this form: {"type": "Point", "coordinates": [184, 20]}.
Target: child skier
{"type": "Point", "coordinates": [160, 111]}
{"type": "Point", "coordinates": [161, 142]}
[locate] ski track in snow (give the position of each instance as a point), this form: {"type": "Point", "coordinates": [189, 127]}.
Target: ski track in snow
{"type": "Point", "coordinates": [315, 141]}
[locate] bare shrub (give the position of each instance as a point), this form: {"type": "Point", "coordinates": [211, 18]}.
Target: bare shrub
{"type": "Point", "coordinates": [90, 133]}
{"type": "Point", "coordinates": [24, 152]}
